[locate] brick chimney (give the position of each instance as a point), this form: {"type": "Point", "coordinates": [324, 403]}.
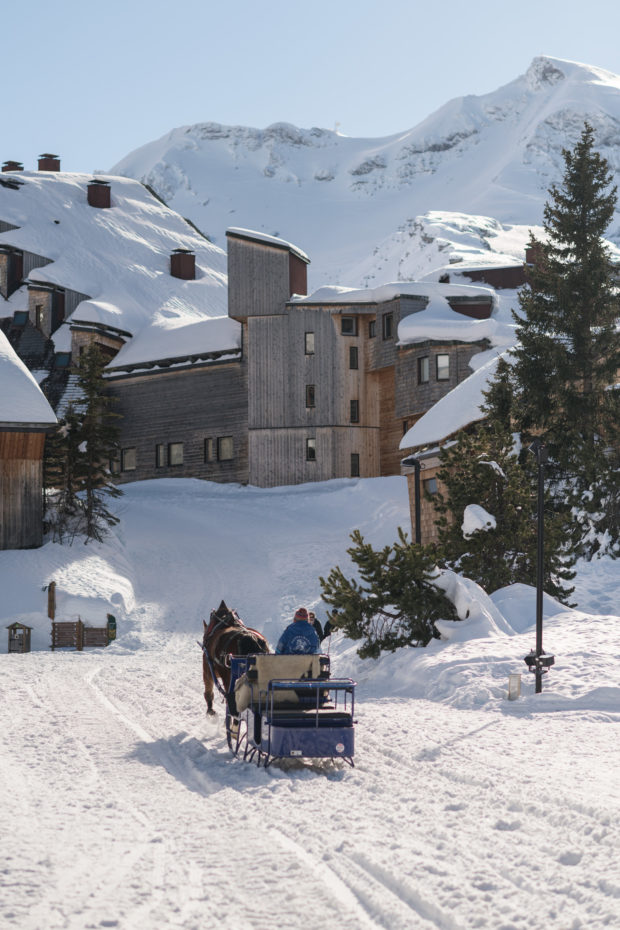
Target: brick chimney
{"type": "Point", "coordinates": [98, 193]}
{"type": "Point", "coordinates": [183, 264]}
{"type": "Point", "coordinates": [48, 162]}
{"type": "Point", "coordinates": [12, 166]}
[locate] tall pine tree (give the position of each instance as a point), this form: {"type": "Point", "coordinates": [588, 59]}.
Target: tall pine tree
{"type": "Point", "coordinates": [77, 477]}
{"type": "Point", "coordinates": [568, 355]}
{"type": "Point", "coordinates": [99, 442]}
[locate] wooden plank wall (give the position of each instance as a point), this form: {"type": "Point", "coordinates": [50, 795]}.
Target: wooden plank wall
{"type": "Point", "coordinates": [278, 456]}
{"type": "Point", "coordinates": [184, 406]}
{"type": "Point", "coordinates": [258, 278]}
{"type": "Point", "coordinates": [21, 494]}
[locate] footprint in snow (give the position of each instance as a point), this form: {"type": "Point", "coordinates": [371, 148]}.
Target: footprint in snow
{"type": "Point", "coordinates": [570, 858]}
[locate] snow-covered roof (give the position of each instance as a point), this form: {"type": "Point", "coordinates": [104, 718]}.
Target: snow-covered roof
{"type": "Point", "coordinates": [119, 256]}
{"type": "Point", "coordinates": [455, 410]}
{"type": "Point", "coordinates": [333, 294]}
{"type": "Point", "coordinates": [179, 340]}
{"type": "Point", "coordinates": [21, 399]}
{"type": "Point", "coordinates": [270, 240]}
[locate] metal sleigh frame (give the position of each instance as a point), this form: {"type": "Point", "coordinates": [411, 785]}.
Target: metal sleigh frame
{"type": "Point", "coordinates": [317, 724]}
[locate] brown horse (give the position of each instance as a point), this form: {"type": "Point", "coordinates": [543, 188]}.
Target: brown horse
{"type": "Point", "coordinates": [225, 635]}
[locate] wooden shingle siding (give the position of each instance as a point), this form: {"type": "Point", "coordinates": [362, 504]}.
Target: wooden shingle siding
{"type": "Point", "coordinates": [187, 406]}
{"type": "Point", "coordinates": [32, 261]}
{"type": "Point", "coordinates": [21, 501]}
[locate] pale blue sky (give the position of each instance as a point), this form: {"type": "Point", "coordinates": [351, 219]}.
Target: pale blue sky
{"type": "Point", "coordinates": [92, 82]}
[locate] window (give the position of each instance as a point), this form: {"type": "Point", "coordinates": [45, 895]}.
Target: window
{"type": "Point", "coordinates": [38, 316]}
{"type": "Point", "coordinates": [309, 344]}
{"type": "Point", "coordinates": [129, 459]}
{"type": "Point", "coordinates": [443, 367]}
{"type": "Point", "coordinates": [225, 448]}
{"type": "Point", "coordinates": [175, 453]}
{"type": "Point", "coordinates": [405, 426]}
{"type": "Point", "coordinates": [355, 465]}
{"type": "Point", "coordinates": [310, 395]}
{"type": "Point", "coordinates": [388, 323]}
{"type": "Point", "coordinates": [353, 357]}
{"type": "Point", "coordinates": [430, 485]}
{"type": "Point", "coordinates": [423, 369]}
{"type": "Point", "coordinates": [209, 450]}
{"type": "Point", "coordinates": [372, 329]}
{"type": "Point", "coordinates": [310, 450]}
{"type": "Point", "coordinates": [355, 411]}
{"type": "Point", "coordinates": [160, 456]}
{"type": "Point", "coordinates": [115, 464]}
{"type": "Point", "coordinates": [348, 326]}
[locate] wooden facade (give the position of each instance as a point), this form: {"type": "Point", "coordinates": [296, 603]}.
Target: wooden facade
{"type": "Point", "coordinates": [21, 488]}
{"type": "Point", "coordinates": [169, 416]}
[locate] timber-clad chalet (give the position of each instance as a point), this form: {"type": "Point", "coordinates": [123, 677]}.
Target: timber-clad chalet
{"type": "Point", "coordinates": [283, 388]}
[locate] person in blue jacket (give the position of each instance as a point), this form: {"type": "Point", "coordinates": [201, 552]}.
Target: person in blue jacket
{"type": "Point", "coordinates": [300, 637]}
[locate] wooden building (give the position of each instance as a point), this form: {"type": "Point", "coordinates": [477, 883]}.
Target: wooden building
{"type": "Point", "coordinates": [330, 389]}
{"type": "Point", "coordinates": [182, 418]}
{"type": "Point", "coordinates": [25, 418]}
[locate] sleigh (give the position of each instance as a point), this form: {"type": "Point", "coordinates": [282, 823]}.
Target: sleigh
{"type": "Point", "coordinates": [287, 706]}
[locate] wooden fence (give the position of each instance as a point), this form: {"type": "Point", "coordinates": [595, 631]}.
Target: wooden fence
{"type": "Point", "coordinates": [74, 634]}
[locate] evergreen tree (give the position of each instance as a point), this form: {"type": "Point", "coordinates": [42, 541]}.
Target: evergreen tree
{"type": "Point", "coordinates": [483, 469]}
{"type": "Point", "coordinates": [569, 346]}
{"type": "Point", "coordinates": [395, 604]}
{"type": "Point", "coordinates": [99, 435]}
{"type": "Point", "coordinates": [77, 478]}
{"type": "Point", "coordinates": [63, 476]}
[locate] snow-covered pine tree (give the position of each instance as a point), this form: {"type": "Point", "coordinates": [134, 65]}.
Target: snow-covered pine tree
{"type": "Point", "coordinates": [395, 604]}
{"type": "Point", "coordinates": [568, 355]}
{"type": "Point", "coordinates": [482, 469]}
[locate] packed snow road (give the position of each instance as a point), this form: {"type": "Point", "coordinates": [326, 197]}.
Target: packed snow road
{"type": "Point", "coordinates": [123, 808]}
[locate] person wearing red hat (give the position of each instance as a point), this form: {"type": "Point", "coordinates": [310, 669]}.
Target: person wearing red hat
{"type": "Point", "coordinates": [300, 637]}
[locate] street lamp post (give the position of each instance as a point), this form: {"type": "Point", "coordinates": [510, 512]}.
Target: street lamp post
{"type": "Point", "coordinates": [537, 661]}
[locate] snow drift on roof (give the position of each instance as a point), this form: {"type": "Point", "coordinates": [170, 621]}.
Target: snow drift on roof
{"type": "Point", "coordinates": [118, 256]}
{"type": "Point", "coordinates": [21, 399]}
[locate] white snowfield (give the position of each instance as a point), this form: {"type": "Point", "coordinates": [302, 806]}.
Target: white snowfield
{"type": "Point", "coordinates": [123, 808]}
{"type": "Point", "coordinates": [359, 207]}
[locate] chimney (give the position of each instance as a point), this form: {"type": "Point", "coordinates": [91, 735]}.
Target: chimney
{"type": "Point", "coordinates": [12, 166]}
{"type": "Point", "coordinates": [48, 162]}
{"type": "Point", "coordinates": [183, 264]}
{"type": "Point", "coordinates": [98, 193]}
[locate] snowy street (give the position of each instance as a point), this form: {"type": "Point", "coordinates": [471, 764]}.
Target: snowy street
{"type": "Point", "coordinates": [124, 808]}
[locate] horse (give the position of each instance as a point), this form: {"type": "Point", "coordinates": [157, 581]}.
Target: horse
{"type": "Point", "coordinates": [225, 635]}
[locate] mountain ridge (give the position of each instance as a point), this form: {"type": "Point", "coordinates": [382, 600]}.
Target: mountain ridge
{"type": "Point", "coordinates": [343, 199]}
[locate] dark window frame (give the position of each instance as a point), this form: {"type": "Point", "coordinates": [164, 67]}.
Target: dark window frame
{"type": "Point", "coordinates": [421, 366]}
{"type": "Point", "coordinates": [310, 396]}
{"type": "Point", "coordinates": [372, 329]}
{"type": "Point", "coordinates": [354, 411]}
{"type": "Point", "coordinates": [310, 449]}
{"type": "Point", "coordinates": [354, 358]}
{"type": "Point", "coordinates": [348, 325]}
{"type": "Point", "coordinates": [387, 326]}
{"type": "Point", "coordinates": [355, 465]}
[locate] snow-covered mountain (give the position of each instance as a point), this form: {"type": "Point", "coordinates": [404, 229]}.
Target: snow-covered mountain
{"type": "Point", "coordinates": [357, 205]}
